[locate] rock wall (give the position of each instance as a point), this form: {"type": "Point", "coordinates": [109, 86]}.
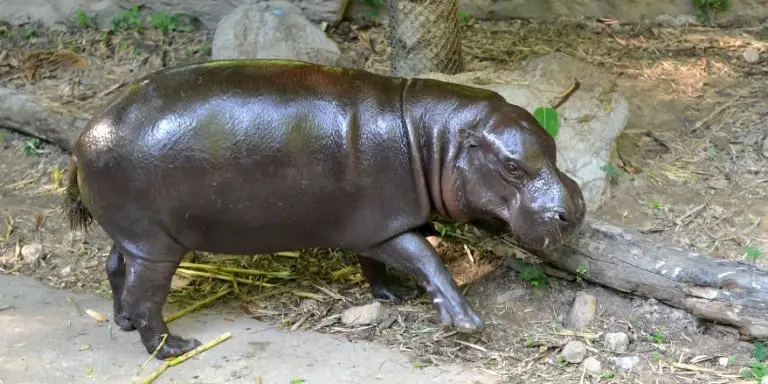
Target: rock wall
{"type": "Point", "coordinates": [627, 10]}
{"type": "Point", "coordinates": [211, 11]}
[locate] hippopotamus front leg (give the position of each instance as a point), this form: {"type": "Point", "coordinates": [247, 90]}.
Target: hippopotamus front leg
{"type": "Point", "coordinates": [411, 253]}
{"type": "Point", "coordinates": [150, 265]}
{"type": "Point", "coordinates": [116, 277]}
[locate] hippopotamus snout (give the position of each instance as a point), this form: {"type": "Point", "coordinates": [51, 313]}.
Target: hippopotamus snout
{"type": "Point", "coordinates": [564, 206]}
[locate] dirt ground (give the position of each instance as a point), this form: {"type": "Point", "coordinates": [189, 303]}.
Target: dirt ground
{"type": "Point", "coordinates": [694, 148]}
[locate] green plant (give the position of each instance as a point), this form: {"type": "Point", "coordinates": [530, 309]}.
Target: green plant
{"type": "Point", "coordinates": [28, 33]}
{"type": "Point", "coordinates": [171, 23]}
{"type": "Point", "coordinates": [705, 9]}
{"type": "Point", "coordinates": [760, 353]}
{"type": "Point", "coordinates": [547, 117]}
{"type": "Point", "coordinates": [752, 253]}
{"type": "Point", "coordinates": [757, 371]}
{"type": "Point", "coordinates": [607, 375]}
{"type": "Point", "coordinates": [657, 336]}
{"type": "Point", "coordinates": [580, 271]}
{"type": "Point", "coordinates": [31, 147]}
{"type": "Point", "coordinates": [534, 276]}
{"type": "Point", "coordinates": [374, 7]}
{"type": "Point", "coordinates": [82, 20]}
{"type": "Point", "coordinates": [465, 18]}
{"type": "Point", "coordinates": [125, 20]}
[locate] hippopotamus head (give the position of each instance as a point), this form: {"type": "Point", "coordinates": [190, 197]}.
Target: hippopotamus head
{"type": "Point", "coordinates": [507, 180]}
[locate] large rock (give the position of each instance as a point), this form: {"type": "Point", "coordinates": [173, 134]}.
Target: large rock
{"type": "Point", "coordinates": [590, 121]}
{"type": "Point", "coordinates": [272, 30]}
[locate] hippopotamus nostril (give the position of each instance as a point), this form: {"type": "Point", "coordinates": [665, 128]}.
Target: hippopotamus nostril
{"type": "Point", "coordinates": [562, 214]}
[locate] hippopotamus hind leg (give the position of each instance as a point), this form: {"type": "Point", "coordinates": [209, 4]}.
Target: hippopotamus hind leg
{"type": "Point", "coordinates": [147, 284]}
{"type": "Point", "coordinates": [116, 275]}
{"type": "Point", "coordinates": [383, 285]}
{"type": "Point", "coordinates": [411, 253]}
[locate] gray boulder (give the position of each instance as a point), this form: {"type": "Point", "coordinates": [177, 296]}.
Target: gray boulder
{"type": "Point", "coordinates": [590, 121]}
{"type": "Point", "coordinates": [272, 30]}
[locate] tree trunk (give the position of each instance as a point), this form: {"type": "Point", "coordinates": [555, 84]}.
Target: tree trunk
{"type": "Point", "coordinates": [35, 116]}
{"type": "Point", "coordinates": [726, 292]}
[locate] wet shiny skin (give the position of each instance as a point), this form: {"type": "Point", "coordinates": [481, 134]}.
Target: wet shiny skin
{"type": "Point", "coordinates": [245, 157]}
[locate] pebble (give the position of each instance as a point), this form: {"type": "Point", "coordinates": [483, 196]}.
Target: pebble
{"type": "Point", "coordinates": [366, 314]}
{"type": "Point", "coordinates": [617, 342]}
{"type": "Point", "coordinates": [66, 270]}
{"type": "Point", "coordinates": [627, 363]}
{"type": "Point", "coordinates": [718, 184]}
{"type": "Point", "coordinates": [723, 361]}
{"type": "Point", "coordinates": [752, 56]}
{"type": "Point", "coordinates": [583, 311]}
{"type": "Point", "coordinates": [309, 305]}
{"type": "Point", "coordinates": [592, 365]}
{"type": "Point", "coordinates": [765, 380]}
{"type": "Point", "coordinates": [574, 352]}
{"type": "Point", "coordinates": [31, 253]}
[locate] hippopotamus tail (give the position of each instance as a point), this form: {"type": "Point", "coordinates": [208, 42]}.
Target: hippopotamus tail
{"type": "Point", "coordinates": [77, 213]}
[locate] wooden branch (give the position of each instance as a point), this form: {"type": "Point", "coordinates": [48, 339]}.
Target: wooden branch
{"type": "Point", "coordinates": [38, 117]}
{"type": "Point", "coordinates": [721, 291]}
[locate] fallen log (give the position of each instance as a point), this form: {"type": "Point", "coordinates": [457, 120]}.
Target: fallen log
{"type": "Point", "coordinates": [722, 291]}
{"type": "Point", "coordinates": [35, 116]}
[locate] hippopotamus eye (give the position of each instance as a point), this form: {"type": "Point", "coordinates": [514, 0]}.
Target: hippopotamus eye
{"type": "Point", "coordinates": [513, 169]}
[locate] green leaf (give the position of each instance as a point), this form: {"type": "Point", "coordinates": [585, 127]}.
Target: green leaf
{"type": "Point", "coordinates": [547, 117]}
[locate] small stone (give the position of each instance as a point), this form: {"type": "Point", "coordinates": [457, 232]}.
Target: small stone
{"type": "Point", "coordinates": [765, 380]}
{"type": "Point", "coordinates": [583, 311]}
{"type": "Point", "coordinates": [627, 363]}
{"type": "Point", "coordinates": [752, 56]}
{"type": "Point", "coordinates": [617, 342]}
{"type": "Point", "coordinates": [309, 305]}
{"type": "Point", "coordinates": [365, 314]}
{"type": "Point", "coordinates": [718, 183]}
{"type": "Point", "coordinates": [66, 270]}
{"type": "Point", "coordinates": [31, 253]}
{"type": "Point", "coordinates": [723, 361]}
{"type": "Point", "coordinates": [592, 365]}
{"type": "Point", "coordinates": [574, 352]}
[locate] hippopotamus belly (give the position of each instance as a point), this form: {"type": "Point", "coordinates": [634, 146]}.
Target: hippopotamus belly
{"type": "Point", "coordinates": [230, 171]}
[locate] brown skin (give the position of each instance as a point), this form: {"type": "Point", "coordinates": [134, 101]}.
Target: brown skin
{"type": "Point", "coordinates": [254, 157]}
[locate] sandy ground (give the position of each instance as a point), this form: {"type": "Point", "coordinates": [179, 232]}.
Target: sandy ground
{"type": "Point", "coordinates": [45, 340]}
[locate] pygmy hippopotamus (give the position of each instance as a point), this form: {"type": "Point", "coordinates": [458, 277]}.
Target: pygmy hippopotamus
{"type": "Point", "coordinates": [261, 156]}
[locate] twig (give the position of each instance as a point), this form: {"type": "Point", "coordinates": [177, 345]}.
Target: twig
{"type": "Point", "coordinates": [110, 89]}
{"type": "Point", "coordinates": [152, 356]}
{"type": "Point", "coordinates": [222, 277]}
{"type": "Point", "coordinates": [180, 359]}
{"type": "Point", "coordinates": [279, 275]}
{"type": "Point", "coordinates": [714, 113]}
{"type": "Point", "coordinates": [197, 305]}
{"type": "Point", "coordinates": [688, 216]}
{"type": "Point", "coordinates": [575, 87]}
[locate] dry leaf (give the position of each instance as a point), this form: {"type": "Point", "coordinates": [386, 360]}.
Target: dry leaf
{"type": "Point", "coordinates": [96, 315]}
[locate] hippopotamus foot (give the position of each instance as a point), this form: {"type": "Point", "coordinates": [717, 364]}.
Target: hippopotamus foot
{"type": "Point", "coordinates": [383, 285]}
{"type": "Point", "coordinates": [412, 254]}
{"type": "Point", "coordinates": [147, 284]}
{"type": "Point", "coordinates": [116, 276]}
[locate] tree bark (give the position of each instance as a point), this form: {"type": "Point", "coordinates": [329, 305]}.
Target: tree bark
{"type": "Point", "coordinates": [722, 291]}
{"type": "Point", "coordinates": [35, 116]}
